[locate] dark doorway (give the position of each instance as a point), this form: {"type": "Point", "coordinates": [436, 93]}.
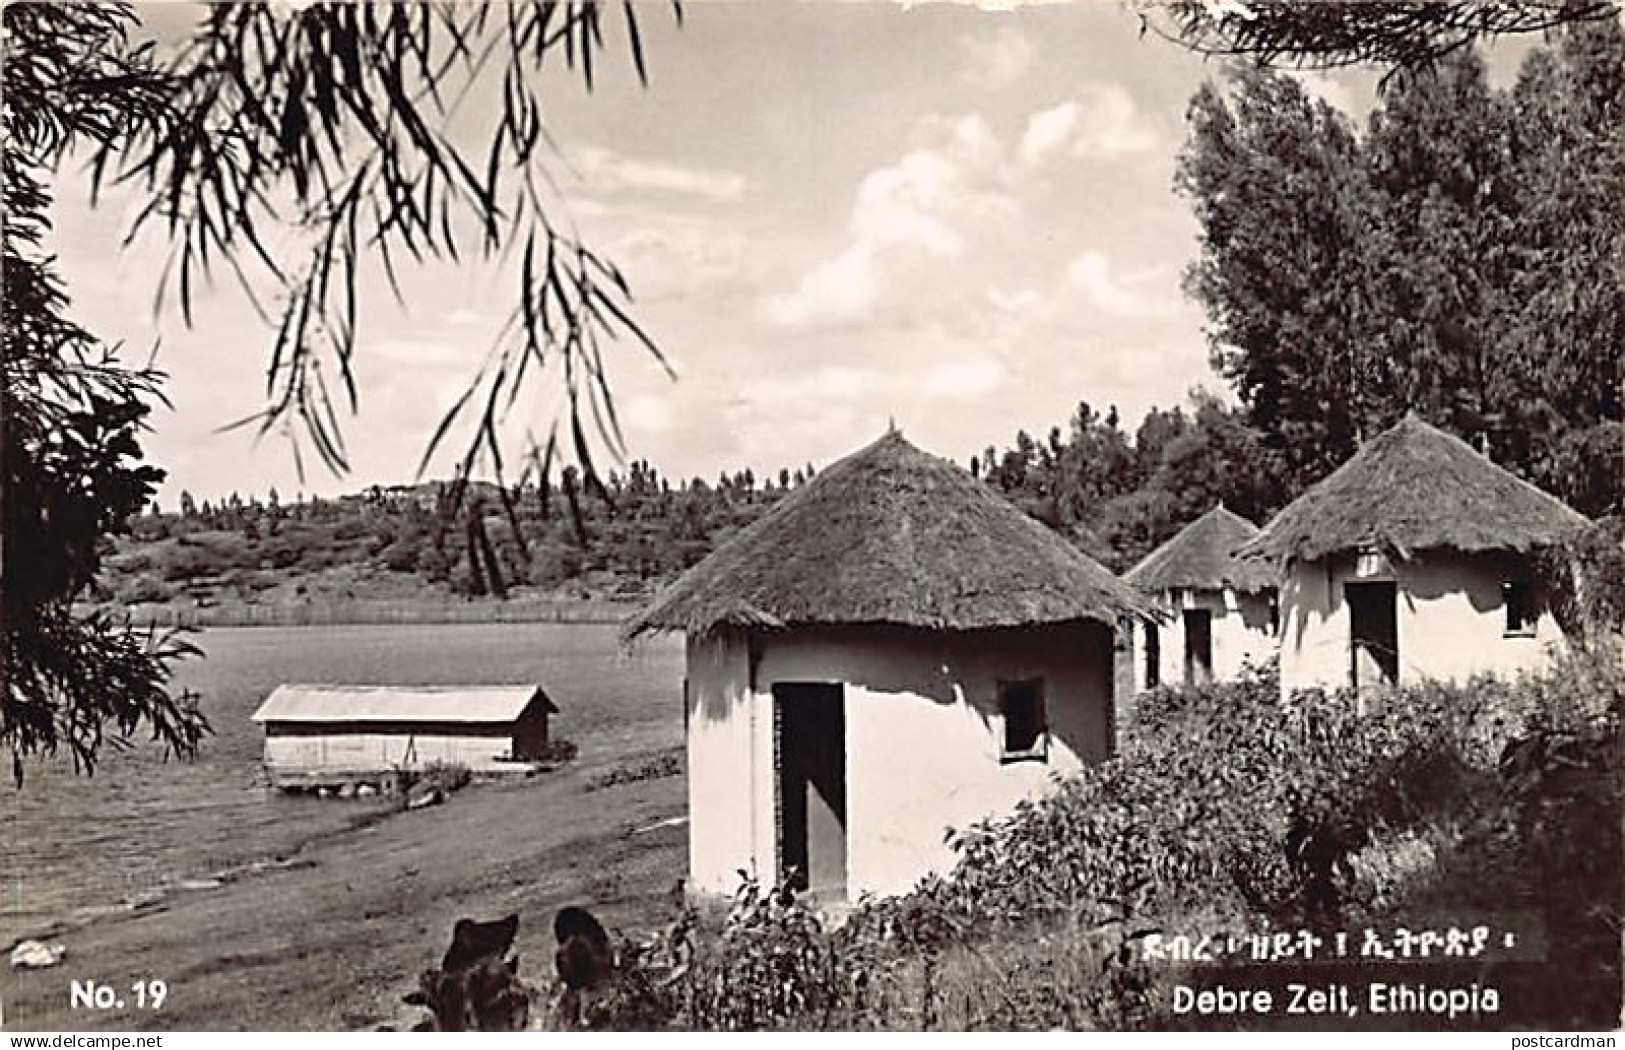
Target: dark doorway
{"type": "Point", "coordinates": [1373, 634]}
{"type": "Point", "coordinates": [1198, 646]}
{"type": "Point", "coordinates": [812, 786]}
{"type": "Point", "coordinates": [1153, 656]}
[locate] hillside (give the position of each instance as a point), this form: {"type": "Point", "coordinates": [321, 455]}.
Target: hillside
{"type": "Point", "coordinates": [577, 540]}
{"type": "Point", "coordinates": [429, 545]}
{"type": "Point", "coordinates": [434, 550]}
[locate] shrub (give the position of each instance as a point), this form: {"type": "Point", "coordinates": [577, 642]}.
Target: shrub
{"type": "Point", "coordinates": [558, 750]}
{"type": "Point", "coordinates": [1228, 811]}
{"type": "Point", "coordinates": [666, 764]}
{"type": "Point", "coordinates": [772, 966]}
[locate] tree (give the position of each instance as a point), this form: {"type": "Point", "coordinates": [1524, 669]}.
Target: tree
{"type": "Point", "coordinates": [1286, 271]}
{"type": "Point", "coordinates": [1566, 318]}
{"type": "Point", "coordinates": [1155, 431]}
{"type": "Point", "coordinates": [1218, 459]}
{"type": "Point", "coordinates": [70, 417]}
{"type": "Point", "coordinates": [1438, 157]}
{"type": "Point", "coordinates": [327, 124]}
{"type": "Point", "coordinates": [1095, 466]}
{"type": "Point", "coordinates": [1462, 260]}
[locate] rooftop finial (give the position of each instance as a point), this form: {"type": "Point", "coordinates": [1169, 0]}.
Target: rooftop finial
{"type": "Point", "coordinates": [892, 427]}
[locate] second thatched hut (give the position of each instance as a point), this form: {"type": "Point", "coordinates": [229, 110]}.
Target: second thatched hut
{"type": "Point", "coordinates": [1413, 560]}
{"type": "Point", "coordinates": [893, 650]}
{"type": "Point", "coordinates": [1219, 612]}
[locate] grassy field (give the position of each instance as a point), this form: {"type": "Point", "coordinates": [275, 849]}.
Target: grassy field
{"type": "Point", "coordinates": [367, 897]}
{"type": "Point", "coordinates": [334, 941]}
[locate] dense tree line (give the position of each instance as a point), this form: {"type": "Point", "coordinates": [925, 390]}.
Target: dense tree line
{"type": "Point", "coordinates": [1117, 494]}
{"type": "Point", "coordinates": [474, 539]}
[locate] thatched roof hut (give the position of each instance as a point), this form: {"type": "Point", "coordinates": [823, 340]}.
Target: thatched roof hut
{"type": "Point", "coordinates": [1415, 488]}
{"type": "Point", "coordinates": [1202, 557]}
{"type": "Point", "coordinates": [891, 535]}
{"type": "Point", "coordinates": [892, 650]}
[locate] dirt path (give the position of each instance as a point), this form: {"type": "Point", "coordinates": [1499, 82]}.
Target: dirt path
{"type": "Point", "coordinates": [334, 945]}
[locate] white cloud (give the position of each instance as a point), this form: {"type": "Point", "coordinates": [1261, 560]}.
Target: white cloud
{"type": "Point", "coordinates": [1329, 90]}
{"type": "Point", "coordinates": [1100, 123]}
{"type": "Point", "coordinates": [674, 256]}
{"type": "Point", "coordinates": [839, 289]}
{"type": "Point", "coordinates": [1047, 131]}
{"type": "Point", "coordinates": [995, 61]}
{"type": "Point", "coordinates": [910, 203]}
{"type": "Point", "coordinates": [826, 409]}
{"type": "Point", "coordinates": [607, 173]}
{"type": "Point", "coordinates": [649, 414]}
{"type": "Point", "coordinates": [924, 199]}
{"type": "Point", "coordinates": [1136, 295]}
{"type": "Point", "coordinates": [1020, 301]}
{"type": "Point", "coordinates": [923, 205]}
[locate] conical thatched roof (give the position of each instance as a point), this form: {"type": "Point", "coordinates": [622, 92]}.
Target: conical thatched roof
{"type": "Point", "coordinates": [1202, 557]}
{"type": "Point", "coordinates": [1415, 488]}
{"type": "Point", "coordinates": [891, 535]}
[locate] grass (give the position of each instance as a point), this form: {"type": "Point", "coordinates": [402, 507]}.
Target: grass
{"type": "Point", "coordinates": [334, 945]}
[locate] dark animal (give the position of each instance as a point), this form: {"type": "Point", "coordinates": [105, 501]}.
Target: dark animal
{"type": "Point", "coordinates": [476, 988]}
{"type": "Point", "coordinates": [584, 957]}
{"type": "Point", "coordinates": [473, 941]}
{"type": "Point", "coordinates": [586, 965]}
{"type": "Point", "coordinates": [488, 997]}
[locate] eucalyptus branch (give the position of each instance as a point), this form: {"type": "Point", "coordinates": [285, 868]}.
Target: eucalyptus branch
{"type": "Point", "coordinates": [1395, 33]}
{"type": "Point", "coordinates": [335, 123]}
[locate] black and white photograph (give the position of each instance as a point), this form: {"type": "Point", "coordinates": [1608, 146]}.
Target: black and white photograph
{"type": "Point", "coordinates": [569, 516]}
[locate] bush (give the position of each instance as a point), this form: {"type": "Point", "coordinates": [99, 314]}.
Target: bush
{"type": "Point", "coordinates": [1228, 811]}
{"type": "Point", "coordinates": [665, 764]}
{"type": "Point", "coordinates": [184, 560]}
{"type": "Point", "coordinates": [558, 751]}
{"type": "Point", "coordinates": [773, 966]}
{"type": "Point", "coordinates": [137, 589]}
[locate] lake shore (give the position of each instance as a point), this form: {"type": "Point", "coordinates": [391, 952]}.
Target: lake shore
{"type": "Point", "coordinates": [381, 611]}
{"type": "Point", "coordinates": [332, 937]}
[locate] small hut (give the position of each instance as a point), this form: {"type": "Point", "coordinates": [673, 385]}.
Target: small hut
{"type": "Point", "coordinates": [322, 735]}
{"type": "Point", "coordinates": [1219, 612]}
{"type": "Point", "coordinates": [1412, 561]}
{"type": "Point", "coordinates": [891, 651]}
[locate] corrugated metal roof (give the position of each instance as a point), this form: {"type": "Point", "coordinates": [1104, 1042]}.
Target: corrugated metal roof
{"type": "Point", "coordinates": [399, 703]}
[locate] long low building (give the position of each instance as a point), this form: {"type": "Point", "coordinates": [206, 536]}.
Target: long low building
{"type": "Point", "coordinates": [320, 734]}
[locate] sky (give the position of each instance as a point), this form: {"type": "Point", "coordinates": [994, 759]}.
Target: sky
{"type": "Point", "coordinates": [833, 217]}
